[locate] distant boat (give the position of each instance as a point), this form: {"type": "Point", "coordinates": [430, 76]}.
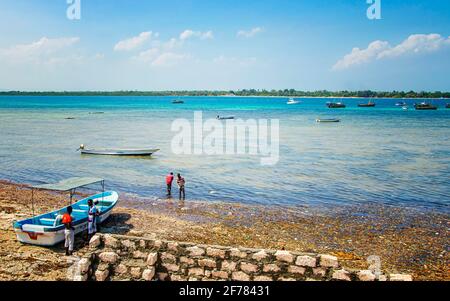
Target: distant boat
{"type": "Point", "coordinates": [336, 105]}
{"type": "Point", "coordinates": [370, 104]}
{"type": "Point", "coordinates": [225, 117]}
{"type": "Point", "coordinates": [328, 120]}
{"type": "Point", "coordinates": [447, 106]}
{"type": "Point", "coordinates": [425, 107]}
{"type": "Point", "coordinates": [292, 101]}
{"type": "Point", "coordinates": [401, 104]}
{"type": "Point", "coordinates": [177, 101]}
{"type": "Point", "coordinates": [406, 108]}
{"type": "Point", "coordinates": [117, 152]}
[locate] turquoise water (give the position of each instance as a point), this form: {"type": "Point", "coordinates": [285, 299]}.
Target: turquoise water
{"type": "Point", "coordinates": [375, 155]}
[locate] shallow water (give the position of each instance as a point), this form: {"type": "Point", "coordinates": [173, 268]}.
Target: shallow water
{"type": "Point", "coordinates": [383, 155]}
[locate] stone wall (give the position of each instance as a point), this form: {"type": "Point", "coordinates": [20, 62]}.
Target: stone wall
{"type": "Point", "coordinates": [114, 257]}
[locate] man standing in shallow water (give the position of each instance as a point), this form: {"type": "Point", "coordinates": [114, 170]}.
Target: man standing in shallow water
{"type": "Point", "coordinates": [181, 183]}
{"type": "Point", "coordinates": [169, 180]}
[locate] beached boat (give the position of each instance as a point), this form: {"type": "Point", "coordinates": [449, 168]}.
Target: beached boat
{"type": "Point", "coordinates": [336, 105]}
{"type": "Point", "coordinates": [332, 120]}
{"type": "Point", "coordinates": [47, 230]}
{"type": "Point", "coordinates": [370, 104]}
{"type": "Point", "coordinates": [292, 101]}
{"type": "Point", "coordinates": [177, 101]}
{"type": "Point", "coordinates": [425, 107]}
{"type": "Point", "coordinates": [117, 152]}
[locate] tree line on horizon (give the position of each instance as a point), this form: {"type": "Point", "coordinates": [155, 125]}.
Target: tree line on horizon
{"type": "Point", "coordinates": [244, 92]}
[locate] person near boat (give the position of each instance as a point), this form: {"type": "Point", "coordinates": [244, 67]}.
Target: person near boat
{"type": "Point", "coordinates": [99, 212]}
{"type": "Point", "coordinates": [181, 186]}
{"type": "Point", "coordinates": [169, 181]}
{"type": "Point", "coordinates": [69, 231]}
{"type": "Point", "coordinates": [92, 219]}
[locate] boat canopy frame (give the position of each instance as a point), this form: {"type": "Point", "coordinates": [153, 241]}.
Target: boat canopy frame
{"type": "Point", "coordinates": [68, 185]}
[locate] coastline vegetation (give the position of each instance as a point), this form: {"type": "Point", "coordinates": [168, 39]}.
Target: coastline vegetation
{"type": "Point", "coordinates": [244, 92]}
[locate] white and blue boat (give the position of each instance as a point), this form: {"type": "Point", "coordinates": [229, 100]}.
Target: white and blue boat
{"type": "Point", "coordinates": [47, 230]}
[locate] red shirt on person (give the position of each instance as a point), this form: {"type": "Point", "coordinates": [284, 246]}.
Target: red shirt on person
{"type": "Point", "coordinates": [169, 179]}
{"type": "Point", "coordinates": [66, 219]}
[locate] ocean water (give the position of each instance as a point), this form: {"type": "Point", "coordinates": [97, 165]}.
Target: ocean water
{"type": "Point", "coordinates": [381, 155]}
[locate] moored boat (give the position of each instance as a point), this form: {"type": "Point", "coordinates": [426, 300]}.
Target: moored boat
{"type": "Point", "coordinates": [117, 152]}
{"type": "Point", "coordinates": [331, 120]}
{"type": "Point", "coordinates": [292, 101]}
{"type": "Point", "coordinates": [447, 106]}
{"type": "Point", "coordinates": [177, 101]}
{"type": "Point", "coordinates": [370, 104]}
{"type": "Point", "coordinates": [47, 229]}
{"type": "Point", "coordinates": [225, 117]}
{"type": "Point", "coordinates": [425, 106]}
{"type": "Point", "coordinates": [336, 105]}
{"type": "Point", "coordinates": [401, 104]}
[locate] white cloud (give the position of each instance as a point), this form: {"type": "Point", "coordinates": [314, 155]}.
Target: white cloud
{"type": "Point", "coordinates": [188, 33]}
{"type": "Point", "coordinates": [377, 50]}
{"type": "Point", "coordinates": [418, 43]}
{"type": "Point", "coordinates": [41, 51]}
{"type": "Point", "coordinates": [172, 43]}
{"type": "Point", "coordinates": [134, 42]}
{"type": "Point", "coordinates": [157, 57]}
{"type": "Point", "coordinates": [249, 33]}
{"type": "Point", "coordinates": [147, 56]}
{"type": "Point", "coordinates": [169, 59]}
{"type": "Point", "coordinates": [163, 53]}
{"type": "Point", "coordinates": [360, 56]}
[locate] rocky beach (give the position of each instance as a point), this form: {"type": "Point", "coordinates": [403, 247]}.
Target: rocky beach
{"type": "Point", "coordinates": [407, 241]}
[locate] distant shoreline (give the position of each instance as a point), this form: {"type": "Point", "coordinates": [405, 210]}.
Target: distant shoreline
{"type": "Point", "coordinates": [245, 93]}
{"type": "Point", "coordinates": [222, 96]}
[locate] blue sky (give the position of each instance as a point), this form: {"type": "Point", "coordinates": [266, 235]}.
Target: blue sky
{"type": "Point", "coordinates": [199, 44]}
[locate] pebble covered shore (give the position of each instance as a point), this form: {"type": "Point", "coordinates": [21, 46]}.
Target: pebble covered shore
{"type": "Point", "coordinates": [407, 242]}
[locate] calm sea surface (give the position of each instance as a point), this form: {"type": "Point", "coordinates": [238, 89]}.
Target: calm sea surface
{"type": "Point", "coordinates": [381, 155]}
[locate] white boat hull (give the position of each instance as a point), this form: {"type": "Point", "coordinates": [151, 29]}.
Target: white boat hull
{"type": "Point", "coordinates": [40, 235]}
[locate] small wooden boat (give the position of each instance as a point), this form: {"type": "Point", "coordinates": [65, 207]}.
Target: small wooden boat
{"type": "Point", "coordinates": [336, 105]}
{"type": "Point", "coordinates": [225, 118]}
{"type": "Point", "coordinates": [425, 107]}
{"type": "Point", "coordinates": [370, 104]}
{"type": "Point", "coordinates": [117, 152]}
{"type": "Point", "coordinates": [177, 101]}
{"type": "Point", "coordinates": [332, 120]}
{"type": "Point", "coordinates": [292, 101]}
{"type": "Point", "coordinates": [47, 230]}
